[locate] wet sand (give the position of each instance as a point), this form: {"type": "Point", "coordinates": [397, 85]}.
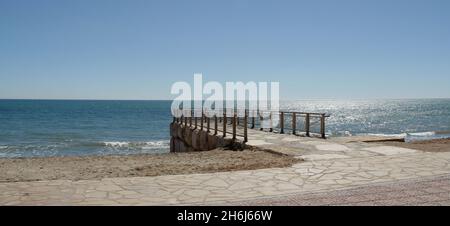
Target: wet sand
{"type": "Point", "coordinates": [440, 145]}
{"type": "Point", "coordinates": [97, 167]}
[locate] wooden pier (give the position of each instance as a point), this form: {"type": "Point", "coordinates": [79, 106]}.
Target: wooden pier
{"type": "Point", "coordinates": [233, 124]}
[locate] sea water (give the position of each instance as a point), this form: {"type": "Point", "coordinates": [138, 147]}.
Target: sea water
{"type": "Point", "coordinates": [33, 128]}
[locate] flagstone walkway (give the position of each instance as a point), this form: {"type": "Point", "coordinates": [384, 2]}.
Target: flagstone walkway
{"type": "Point", "coordinates": [424, 191]}
{"type": "Point", "coordinates": [329, 165]}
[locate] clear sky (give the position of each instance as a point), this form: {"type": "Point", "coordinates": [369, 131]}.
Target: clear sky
{"type": "Point", "coordinates": [130, 49]}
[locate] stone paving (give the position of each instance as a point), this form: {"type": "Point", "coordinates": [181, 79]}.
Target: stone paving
{"type": "Point", "coordinates": [429, 191]}
{"type": "Point", "coordinates": [330, 165]}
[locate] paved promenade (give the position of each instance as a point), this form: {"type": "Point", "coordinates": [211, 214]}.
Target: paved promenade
{"type": "Point", "coordinates": [428, 191]}
{"type": "Point", "coordinates": [330, 166]}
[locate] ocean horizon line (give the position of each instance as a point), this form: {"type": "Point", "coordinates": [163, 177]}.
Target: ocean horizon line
{"type": "Point", "coordinates": [305, 99]}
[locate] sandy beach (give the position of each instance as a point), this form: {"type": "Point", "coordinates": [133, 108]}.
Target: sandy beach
{"type": "Point", "coordinates": [97, 167]}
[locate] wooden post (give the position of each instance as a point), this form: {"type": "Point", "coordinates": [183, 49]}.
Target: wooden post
{"type": "Point", "coordinates": [201, 121]}
{"type": "Point", "coordinates": [271, 123]}
{"type": "Point", "coordinates": [190, 119]}
{"type": "Point", "coordinates": [257, 115]}
{"type": "Point", "coordinates": [234, 125]}
{"type": "Point", "coordinates": [215, 124]}
{"type": "Point", "coordinates": [245, 126]}
{"type": "Point", "coordinates": [260, 124]}
{"type": "Point", "coordinates": [195, 118]}
{"type": "Point", "coordinates": [224, 124]}
{"type": "Point", "coordinates": [322, 126]}
{"type": "Point", "coordinates": [181, 120]}
{"type": "Point", "coordinates": [294, 122]}
{"type": "Point", "coordinates": [174, 119]}
{"type": "Point", "coordinates": [282, 122]}
{"type": "Point", "coordinates": [307, 124]}
{"type": "Point", "coordinates": [253, 122]}
{"type": "Point", "coordinates": [208, 121]}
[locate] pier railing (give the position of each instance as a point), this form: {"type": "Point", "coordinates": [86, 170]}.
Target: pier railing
{"type": "Point", "coordinates": [307, 124]}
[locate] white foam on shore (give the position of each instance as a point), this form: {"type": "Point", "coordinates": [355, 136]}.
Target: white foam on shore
{"type": "Point", "coordinates": [156, 144]}
{"type": "Point", "coordinates": [3, 147]}
{"type": "Point", "coordinates": [142, 145]}
{"type": "Point", "coordinates": [404, 135]}
{"type": "Point", "coordinates": [416, 136]}
{"type": "Point", "coordinates": [427, 136]}
{"type": "Point", "coordinates": [116, 144]}
{"type": "Point", "coordinates": [423, 134]}
{"type": "Point", "coordinates": [400, 135]}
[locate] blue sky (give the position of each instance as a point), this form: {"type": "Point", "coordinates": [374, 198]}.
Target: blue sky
{"type": "Point", "coordinates": [130, 49]}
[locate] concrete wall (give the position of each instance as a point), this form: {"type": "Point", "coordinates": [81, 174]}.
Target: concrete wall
{"type": "Point", "coordinates": [186, 139]}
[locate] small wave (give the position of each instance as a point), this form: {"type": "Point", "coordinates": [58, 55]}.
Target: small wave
{"type": "Point", "coordinates": [156, 144]}
{"type": "Point", "coordinates": [116, 144]}
{"type": "Point", "coordinates": [3, 147]}
{"type": "Point", "coordinates": [427, 136]}
{"type": "Point", "coordinates": [405, 135]}
{"type": "Point", "coordinates": [442, 132]}
{"type": "Point", "coordinates": [416, 136]}
{"type": "Point", "coordinates": [400, 135]}
{"type": "Point", "coordinates": [348, 133]}
{"type": "Point", "coordinates": [142, 145]}
{"type": "Point", "coordinates": [422, 134]}
{"type": "Point", "coordinates": [410, 136]}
